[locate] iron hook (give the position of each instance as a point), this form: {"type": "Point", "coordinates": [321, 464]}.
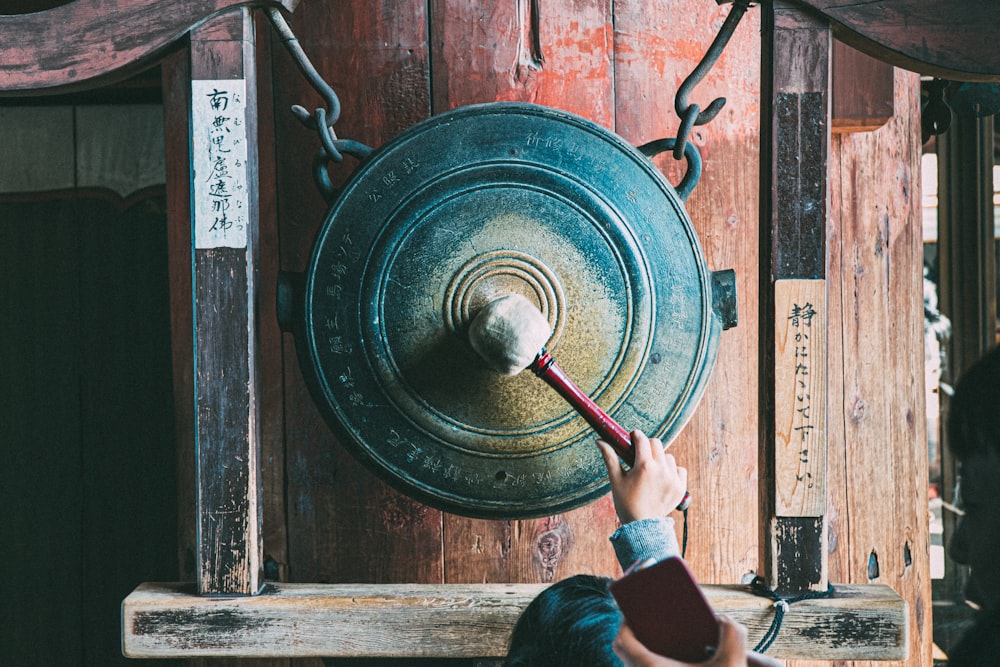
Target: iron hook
{"type": "Point", "coordinates": [691, 114]}
{"type": "Point", "coordinates": [306, 67]}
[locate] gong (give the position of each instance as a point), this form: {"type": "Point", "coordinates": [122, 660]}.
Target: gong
{"type": "Point", "coordinates": [474, 204]}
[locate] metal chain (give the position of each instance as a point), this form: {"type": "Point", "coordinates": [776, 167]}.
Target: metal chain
{"type": "Point", "coordinates": [322, 120]}
{"type": "Point", "coordinates": [691, 114]}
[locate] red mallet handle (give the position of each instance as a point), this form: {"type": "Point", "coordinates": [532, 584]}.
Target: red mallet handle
{"type": "Point", "coordinates": [607, 428]}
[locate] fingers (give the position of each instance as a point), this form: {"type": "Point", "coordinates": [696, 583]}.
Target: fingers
{"type": "Point", "coordinates": [643, 448]}
{"type": "Point", "coordinates": [682, 474]}
{"type": "Point", "coordinates": [652, 487]}
{"type": "Point", "coordinates": [656, 448]}
{"type": "Point", "coordinates": [611, 460]}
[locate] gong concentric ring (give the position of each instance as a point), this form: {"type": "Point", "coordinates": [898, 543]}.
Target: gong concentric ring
{"type": "Point", "coordinates": [490, 275]}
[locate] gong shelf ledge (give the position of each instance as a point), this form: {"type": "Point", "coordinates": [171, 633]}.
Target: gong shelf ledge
{"type": "Point", "coordinates": [169, 620]}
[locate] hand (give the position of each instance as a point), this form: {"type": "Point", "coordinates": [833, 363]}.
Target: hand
{"type": "Point", "coordinates": [732, 651]}
{"type": "Point", "coordinates": [652, 488]}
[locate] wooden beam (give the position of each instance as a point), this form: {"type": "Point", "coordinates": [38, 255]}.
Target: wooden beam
{"type": "Point", "coordinates": [225, 216]}
{"type": "Point", "coordinates": [860, 622]}
{"type": "Point", "coordinates": [949, 39]}
{"type": "Point", "coordinates": [795, 138]}
{"type": "Point", "coordinates": [83, 45]}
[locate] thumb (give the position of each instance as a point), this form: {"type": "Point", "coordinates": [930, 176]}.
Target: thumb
{"type": "Point", "coordinates": [732, 637]}
{"type": "Point", "coordinates": [632, 652]}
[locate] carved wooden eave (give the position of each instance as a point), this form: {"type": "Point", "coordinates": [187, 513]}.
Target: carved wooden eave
{"type": "Point", "coordinates": [949, 39]}
{"type": "Point", "coordinates": [83, 45]}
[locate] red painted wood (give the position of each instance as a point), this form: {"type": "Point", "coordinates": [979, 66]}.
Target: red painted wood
{"type": "Point", "coordinates": [657, 45]}
{"type": "Point", "coordinates": [552, 53]}
{"type": "Point", "coordinates": [559, 54]}
{"type": "Point", "coordinates": [83, 44]}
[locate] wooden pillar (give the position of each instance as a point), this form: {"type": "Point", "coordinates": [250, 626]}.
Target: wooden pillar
{"type": "Point", "coordinates": [967, 280]}
{"type": "Point", "coordinates": [795, 139]}
{"type": "Point", "coordinates": [225, 213]}
{"type": "Point", "coordinates": [968, 289]}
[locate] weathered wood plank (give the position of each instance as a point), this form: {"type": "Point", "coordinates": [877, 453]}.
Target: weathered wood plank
{"type": "Point", "coordinates": [462, 621]}
{"type": "Point", "coordinates": [177, 156]}
{"type": "Point", "coordinates": [226, 214]}
{"type": "Point", "coordinates": [950, 39]}
{"type": "Point", "coordinates": [877, 417]}
{"type": "Point", "coordinates": [271, 386]}
{"type": "Point", "coordinates": [82, 45]}
{"type": "Point", "coordinates": [800, 397]}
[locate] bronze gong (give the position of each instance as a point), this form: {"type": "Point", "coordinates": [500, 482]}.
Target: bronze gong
{"type": "Point", "coordinates": [470, 205]}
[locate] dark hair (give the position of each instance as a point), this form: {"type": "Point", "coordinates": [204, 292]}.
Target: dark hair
{"type": "Point", "coordinates": [974, 409]}
{"type": "Point", "coordinates": [572, 622]}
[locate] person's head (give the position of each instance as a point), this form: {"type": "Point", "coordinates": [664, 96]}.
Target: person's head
{"type": "Point", "coordinates": [974, 438]}
{"type": "Point", "coordinates": [572, 622]}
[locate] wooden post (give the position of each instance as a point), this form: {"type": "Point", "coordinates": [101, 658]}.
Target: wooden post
{"type": "Point", "coordinates": [967, 280]}
{"type": "Point", "coordinates": [795, 138]}
{"type": "Point", "coordinates": [224, 209]}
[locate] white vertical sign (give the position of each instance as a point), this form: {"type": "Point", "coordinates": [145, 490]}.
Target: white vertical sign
{"type": "Point", "coordinates": [219, 159]}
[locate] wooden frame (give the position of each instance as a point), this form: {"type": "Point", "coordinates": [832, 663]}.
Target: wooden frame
{"type": "Point", "coordinates": [231, 565]}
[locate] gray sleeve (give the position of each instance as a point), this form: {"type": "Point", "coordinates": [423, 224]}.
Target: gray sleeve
{"type": "Point", "coordinates": [645, 538]}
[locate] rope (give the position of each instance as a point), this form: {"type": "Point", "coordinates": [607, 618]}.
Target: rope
{"type": "Point", "coordinates": [781, 605]}
{"type": "Point", "coordinates": [684, 536]}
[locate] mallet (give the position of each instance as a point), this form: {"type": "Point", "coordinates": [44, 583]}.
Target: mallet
{"type": "Point", "coordinates": [510, 334]}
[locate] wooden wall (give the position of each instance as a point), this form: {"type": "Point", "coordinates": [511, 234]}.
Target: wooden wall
{"type": "Point", "coordinates": [326, 519]}
{"type": "Point", "coordinates": [878, 453]}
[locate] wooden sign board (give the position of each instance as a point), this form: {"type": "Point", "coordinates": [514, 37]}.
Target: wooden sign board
{"type": "Point", "coordinates": [800, 397]}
